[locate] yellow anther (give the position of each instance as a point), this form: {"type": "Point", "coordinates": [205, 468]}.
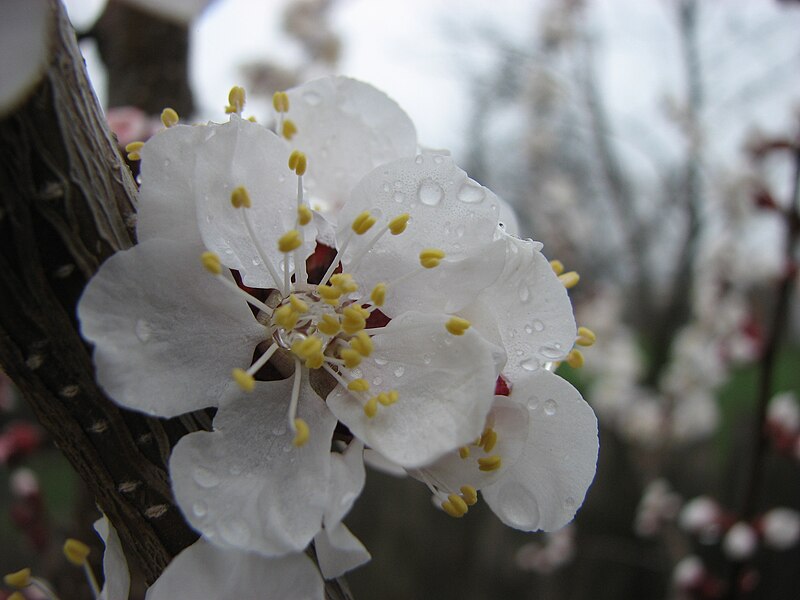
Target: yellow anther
{"type": "Point", "coordinates": [240, 197]}
{"type": "Point", "coordinates": [469, 494]}
{"type": "Point", "coordinates": [18, 579]}
{"type": "Point", "coordinates": [358, 385]}
{"type": "Point", "coordinates": [308, 348]}
{"type": "Point", "coordinates": [289, 129]}
{"type": "Point", "coordinates": [557, 266]}
{"type": "Point", "coordinates": [298, 162]}
{"type": "Point", "coordinates": [211, 263]}
{"type": "Point", "coordinates": [169, 117]}
{"type": "Point", "coordinates": [490, 463]}
{"type": "Point", "coordinates": [575, 358]}
{"type": "Point", "coordinates": [354, 320]}
{"type": "Point", "coordinates": [463, 452]}
{"type": "Point", "coordinates": [371, 407]}
{"type": "Point", "coordinates": [362, 343]}
{"type": "Point", "coordinates": [76, 551]}
{"type": "Point", "coordinates": [16, 596]}
{"type": "Point", "coordinates": [451, 510]}
{"type": "Point", "coordinates": [244, 379]}
{"type": "Point", "coordinates": [297, 304]}
{"type": "Point", "coordinates": [344, 281]}
{"type": "Point", "coordinates": [304, 215]}
{"type": "Point", "coordinates": [329, 324]}
{"type": "Point", "coordinates": [398, 224]}
{"type": "Point", "coordinates": [133, 149]}
{"type": "Point", "coordinates": [350, 357]}
{"type": "Point", "coordinates": [316, 360]}
{"type": "Point", "coordinates": [301, 433]}
{"type": "Point", "coordinates": [290, 241]}
{"type": "Point", "coordinates": [457, 325]}
{"type": "Point", "coordinates": [430, 257]}
{"type": "Point", "coordinates": [488, 439]}
{"type": "Point", "coordinates": [252, 119]}
{"type": "Point", "coordinates": [280, 101]}
{"type": "Point", "coordinates": [586, 337]}
{"type": "Point", "coordinates": [388, 398]}
{"type": "Point", "coordinates": [329, 292]}
{"type": "Point", "coordinates": [286, 317]}
{"type": "Point", "coordinates": [378, 295]}
{"type": "Point", "coordinates": [236, 100]}
{"type": "Point", "coordinates": [363, 222]}
{"type": "Point", "coordinates": [458, 503]}
{"type": "Point", "coordinates": [569, 279]}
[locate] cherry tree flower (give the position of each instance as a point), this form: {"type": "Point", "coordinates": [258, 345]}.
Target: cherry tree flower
{"type": "Point", "coordinates": [399, 332]}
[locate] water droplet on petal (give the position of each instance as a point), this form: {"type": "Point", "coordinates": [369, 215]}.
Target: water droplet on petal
{"type": "Point", "coordinates": [279, 430]}
{"type": "Point", "coordinates": [538, 325]}
{"type": "Point", "coordinates": [377, 381]}
{"type": "Point", "coordinates": [205, 477]}
{"type": "Point", "coordinates": [528, 329]}
{"type": "Point", "coordinates": [524, 291]}
{"type": "Point", "coordinates": [380, 361]}
{"type": "Point", "coordinates": [418, 159]}
{"type": "Point", "coordinates": [143, 330]}
{"type": "Point", "coordinates": [199, 509]}
{"type": "Point", "coordinates": [471, 192]}
{"type": "Point", "coordinates": [519, 507]}
{"type": "Point", "coordinates": [460, 230]}
{"type": "Point", "coordinates": [430, 192]}
{"type": "Point", "coordinates": [529, 364]}
{"type": "Point", "coordinates": [398, 372]}
{"type": "Point", "coordinates": [312, 98]}
{"type": "Point", "coordinates": [427, 359]}
{"type": "Point", "coordinates": [167, 162]}
{"type": "Point", "coordinates": [234, 531]}
{"type": "Point", "coordinates": [533, 403]}
{"type": "Point", "coordinates": [386, 187]}
{"type": "Point", "coordinates": [287, 448]}
{"type": "Point", "coordinates": [399, 197]}
{"type": "Point", "coordinates": [550, 407]}
{"type": "Point", "coordinates": [551, 352]}
{"type": "Point", "coordinates": [438, 159]}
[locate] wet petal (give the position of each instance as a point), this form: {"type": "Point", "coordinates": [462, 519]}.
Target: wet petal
{"type": "Point", "coordinates": [547, 484]}
{"type": "Point", "coordinates": [346, 128]}
{"type": "Point", "coordinates": [166, 333]}
{"type": "Point", "coordinates": [347, 481]}
{"type": "Point", "coordinates": [339, 551]}
{"type": "Point", "coordinates": [204, 570]}
{"type": "Point", "coordinates": [445, 385]}
{"type": "Point", "coordinates": [115, 566]}
{"type": "Point", "coordinates": [245, 485]}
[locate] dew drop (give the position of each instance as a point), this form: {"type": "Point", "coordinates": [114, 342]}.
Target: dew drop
{"type": "Point", "coordinates": [470, 192]}
{"type": "Point", "coordinates": [550, 352]}
{"type": "Point", "coordinates": [418, 159]}
{"type": "Point", "coordinates": [167, 162]}
{"type": "Point", "coordinates": [380, 361]}
{"type": "Point", "coordinates": [377, 381]}
{"type": "Point", "coordinates": [398, 372]}
{"type": "Point", "coordinates": [524, 291]}
{"type": "Point", "coordinates": [279, 430]}
{"type": "Point", "coordinates": [386, 187]}
{"type": "Point", "coordinates": [234, 531]}
{"type": "Point", "coordinates": [533, 403]}
{"type": "Point", "coordinates": [312, 98]}
{"type": "Point", "coordinates": [143, 330]}
{"type": "Point", "coordinates": [438, 159]}
{"type": "Point", "coordinates": [199, 509]}
{"type": "Point", "coordinates": [538, 325]}
{"type": "Point", "coordinates": [205, 477]}
{"type": "Point", "coordinates": [430, 192]}
{"type": "Point", "coordinates": [520, 508]}
{"type": "Point", "coordinates": [520, 353]}
{"type": "Point", "coordinates": [529, 364]}
{"type": "Point", "coordinates": [287, 448]}
{"type": "Point", "coordinates": [460, 230]}
{"type": "Point", "coordinates": [399, 197]}
{"type": "Point", "coordinates": [550, 407]}
{"type": "Point", "coordinates": [427, 359]}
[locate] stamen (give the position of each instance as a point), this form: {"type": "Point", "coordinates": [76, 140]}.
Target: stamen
{"type": "Point", "coordinates": [289, 129]}
{"type": "Point", "coordinates": [362, 344]}
{"type": "Point", "coordinates": [133, 149]}
{"type": "Point", "coordinates": [363, 223]}
{"type": "Point", "coordinates": [358, 385]}
{"type": "Point", "coordinates": [301, 427]}
{"type": "Point", "coordinates": [329, 324]}
{"type": "Point", "coordinates": [557, 266]}
{"type": "Point", "coordinates": [240, 197]}
{"type": "Point", "coordinates": [396, 226]}
{"type": "Point", "coordinates": [575, 358]}
{"type": "Point", "coordinates": [77, 553]}
{"type": "Point", "coordinates": [469, 494]}
{"type": "Point", "coordinates": [378, 295]}
{"type": "Point", "coordinates": [280, 101]}
{"type": "Point", "coordinates": [586, 337]}
{"type": "Point", "coordinates": [569, 279]}
{"type": "Point", "coordinates": [350, 357]}
{"type": "Point", "coordinates": [490, 463]}
{"type": "Point", "coordinates": [297, 304]}
{"type": "Point", "coordinates": [354, 319]}
{"type": "Point", "coordinates": [298, 162]}
{"type": "Point", "coordinates": [399, 223]}
{"type": "Point", "coordinates": [169, 117]}
{"type": "Point", "coordinates": [261, 254]}
{"type": "Point", "coordinates": [457, 325]}
{"type": "Point", "coordinates": [213, 265]}
{"type": "Point", "coordinates": [488, 440]}
{"type": "Point", "coordinates": [289, 241]}
{"type": "Point", "coordinates": [236, 100]}
{"type": "Point", "coordinates": [371, 407]}
{"type": "Point", "coordinates": [245, 379]}
{"type": "Point", "coordinates": [304, 215]}
{"type": "Point", "coordinates": [388, 398]}
{"type": "Point", "coordinates": [344, 281]}
{"type": "Point", "coordinates": [18, 579]}
{"type": "Point", "coordinates": [463, 452]}
{"type": "Point", "coordinates": [430, 257]}
{"type": "Point", "coordinates": [455, 506]}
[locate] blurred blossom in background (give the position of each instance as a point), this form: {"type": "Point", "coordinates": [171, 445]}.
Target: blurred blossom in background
{"type": "Point", "coordinates": [648, 145]}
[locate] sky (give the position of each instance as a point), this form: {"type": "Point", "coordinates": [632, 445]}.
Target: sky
{"type": "Point", "coordinates": [423, 52]}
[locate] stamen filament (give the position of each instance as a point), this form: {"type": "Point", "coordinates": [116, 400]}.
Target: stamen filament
{"type": "Point", "coordinates": [262, 360]}
{"type": "Point", "coordinates": [337, 258]}
{"type": "Point", "coordinates": [261, 254]}
{"type": "Point", "coordinates": [252, 301]}
{"type": "Point", "coordinates": [298, 376]}
{"type": "Point", "coordinates": [90, 577]}
{"type": "Point", "coordinates": [357, 260]}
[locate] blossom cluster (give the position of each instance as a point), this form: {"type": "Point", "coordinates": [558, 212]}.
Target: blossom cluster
{"type": "Point", "coordinates": [339, 295]}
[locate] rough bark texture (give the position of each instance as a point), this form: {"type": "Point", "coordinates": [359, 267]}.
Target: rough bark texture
{"type": "Point", "coordinates": [66, 200]}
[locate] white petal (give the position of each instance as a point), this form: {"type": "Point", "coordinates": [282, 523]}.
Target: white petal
{"type": "Point", "coordinates": [166, 333]}
{"type": "Point", "coordinates": [547, 484]}
{"type": "Point", "coordinates": [339, 551]}
{"type": "Point", "coordinates": [167, 196]}
{"type": "Point", "coordinates": [508, 217]}
{"type": "Point", "coordinates": [347, 481]}
{"type": "Point", "coordinates": [115, 567]}
{"type": "Point", "coordinates": [379, 462]}
{"type": "Point", "coordinates": [204, 570]}
{"type": "Point", "coordinates": [245, 485]}
{"type": "Point", "coordinates": [346, 128]}
{"type": "Point", "coordinates": [449, 473]}
{"type": "Point", "coordinates": [530, 308]}
{"type": "Point", "coordinates": [445, 386]}
{"type": "Point", "coordinates": [242, 153]}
